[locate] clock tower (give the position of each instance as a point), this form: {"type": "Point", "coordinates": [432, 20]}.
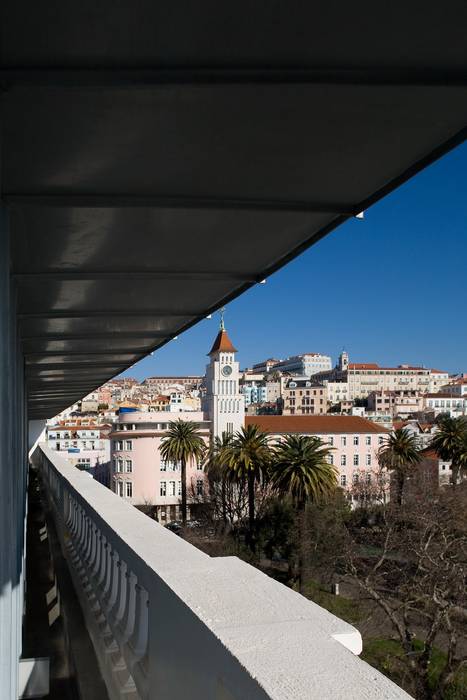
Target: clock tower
{"type": "Point", "coordinates": [224, 404]}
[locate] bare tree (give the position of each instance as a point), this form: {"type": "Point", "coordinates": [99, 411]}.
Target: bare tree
{"type": "Point", "coordinates": [370, 487]}
{"type": "Point", "coordinates": [418, 578]}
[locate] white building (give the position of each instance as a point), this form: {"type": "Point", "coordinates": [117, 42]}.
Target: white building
{"type": "Point", "coordinates": [363, 378]}
{"type": "Point", "coordinates": [444, 402]}
{"type": "Point", "coordinates": [457, 387]}
{"type": "Point", "coordinates": [85, 446]}
{"type": "Point", "coordinates": [338, 392]}
{"type": "Point", "coordinates": [306, 364]}
{"type": "Point", "coordinates": [223, 403]}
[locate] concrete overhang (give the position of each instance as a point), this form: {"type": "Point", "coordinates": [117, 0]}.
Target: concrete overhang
{"type": "Point", "coordinates": [159, 159]}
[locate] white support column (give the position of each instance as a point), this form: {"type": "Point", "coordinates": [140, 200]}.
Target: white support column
{"type": "Point", "coordinates": [11, 547]}
{"type": "Point", "coordinates": [13, 476]}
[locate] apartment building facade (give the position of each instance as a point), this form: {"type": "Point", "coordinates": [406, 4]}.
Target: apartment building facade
{"type": "Point", "coordinates": [138, 472]}
{"type": "Point", "coordinates": [354, 441]}
{"type": "Point", "coordinates": [301, 396]}
{"type": "Point", "coordinates": [85, 446]}
{"type": "Point", "coordinates": [444, 402]}
{"type": "Point", "coordinates": [396, 403]}
{"type": "Point", "coordinates": [363, 378]}
{"type": "Point", "coordinates": [162, 384]}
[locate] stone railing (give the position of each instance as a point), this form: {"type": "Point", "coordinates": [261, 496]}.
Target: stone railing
{"type": "Point", "coordinates": [169, 622]}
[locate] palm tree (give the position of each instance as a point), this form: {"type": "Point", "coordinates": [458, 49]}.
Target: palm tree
{"type": "Point", "coordinates": [181, 443]}
{"type": "Point", "coordinates": [450, 442]}
{"type": "Point", "coordinates": [301, 469]}
{"type": "Point", "coordinates": [248, 457]}
{"type": "Point", "coordinates": [216, 467]}
{"type": "Point", "coordinates": [399, 454]}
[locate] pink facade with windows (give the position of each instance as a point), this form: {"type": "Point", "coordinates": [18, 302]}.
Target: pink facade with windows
{"type": "Point", "coordinates": [354, 441]}
{"type": "Point", "coordinates": [138, 472]}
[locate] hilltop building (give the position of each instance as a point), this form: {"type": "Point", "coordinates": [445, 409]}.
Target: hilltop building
{"type": "Point", "coordinates": [301, 396]}
{"type": "Point", "coordinates": [306, 364]}
{"type": "Point", "coordinates": [161, 384]}
{"type": "Point", "coordinates": [363, 378]}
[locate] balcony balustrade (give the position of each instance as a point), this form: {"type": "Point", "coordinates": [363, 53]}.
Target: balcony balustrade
{"type": "Point", "coordinates": [168, 621]}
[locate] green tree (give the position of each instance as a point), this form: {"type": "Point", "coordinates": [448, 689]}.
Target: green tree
{"type": "Point", "coordinates": [450, 442]}
{"type": "Point", "coordinates": [301, 469]}
{"type": "Point", "coordinates": [399, 454]}
{"type": "Point", "coordinates": [248, 457]}
{"type": "Point", "coordinates": [181, 443]}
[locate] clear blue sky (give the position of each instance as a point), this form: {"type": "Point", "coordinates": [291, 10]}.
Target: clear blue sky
{"type": "Point", "coordinates": [392, 289]}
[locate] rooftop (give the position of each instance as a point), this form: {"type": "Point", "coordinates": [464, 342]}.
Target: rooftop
{"type": "Point", "coordinates": [222, 343]}
{"type": "Point", "coordinates": [314, 425]}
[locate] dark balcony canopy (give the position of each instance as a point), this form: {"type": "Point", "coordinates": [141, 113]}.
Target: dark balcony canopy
{"type": "Point", "coordinates": [160, 158]}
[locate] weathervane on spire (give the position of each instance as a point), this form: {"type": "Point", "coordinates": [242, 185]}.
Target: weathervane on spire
{"type": "Point", "coordinates": [222, 325]}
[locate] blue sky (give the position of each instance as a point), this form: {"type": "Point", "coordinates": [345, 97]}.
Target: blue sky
{"type": "Point", "coordinates": [392, 289]}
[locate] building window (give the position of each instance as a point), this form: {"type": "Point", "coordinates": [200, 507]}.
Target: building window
{"type": "Point", "coordinates": [331, 459]}
{"type": "Point", "coordinates": [163, 465]}
{"type": "Point", "coordinates": [114, 464]}
{"type": "Point", "coordinates": [128, 444]}
{"type": "Point", "coordinates": [163, 490]}
{"type": "Point", "coordinates": [355, 460]}
{"type": "Point", "coordinates": [129, 489]}
{"type": "Point", "coordinates": [118, 444]}
{"type": "Point", "coordinates": [368, 460]}
{"type": "Point", "coordinates": [199, 487]}
{"type": "Point", "coordinates": [368, 478]}
{"type": "Point", "coordinates": [129, 466]}
{"type": "Point", "coordinates": [355, 440]}
{"type": "Point", "coordinates": [120, 488]}
{"type": "Point", "coordinates": [380, 440]}
{"type": "Point", "coordinates": [343, 480]}
{"type": "Point", "coordinates": [330, 441]}
{"type": "Point", "coordinates": [179, 490]}
{"type": "Point", "coordinates": [343, 460]}
{"type": "Point", "coordinates": [119, 465]}
{"type": "Point", "coordinates": [343, 441]}
{"type": "Point", "coordinates": [368, 440]}
{"type": "Point", "coordinates": [171, 488]}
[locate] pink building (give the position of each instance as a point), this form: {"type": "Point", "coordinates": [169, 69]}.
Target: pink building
{"type": "Point", "coordinates": [139, 474]}
{"type": "Point", "coordinates": [355, 442]}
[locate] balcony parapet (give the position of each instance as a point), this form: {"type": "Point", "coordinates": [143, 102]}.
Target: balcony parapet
{"type": "Point", "coordinates": [168, 621]}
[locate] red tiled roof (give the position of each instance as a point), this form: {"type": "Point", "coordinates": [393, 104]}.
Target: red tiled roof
{"type": "Point", "coordinates": [374, 365]}
{"type": "Point", "coordinates": [222, 343]}
{"type": "Point", "coordinates": [314, 425]}
{"type": "Point", "coordinates": [399, 424]}
{"type": "Point", "coordinates": [363, 365]}
{"type": "Point", "coordinates": [430, 453]}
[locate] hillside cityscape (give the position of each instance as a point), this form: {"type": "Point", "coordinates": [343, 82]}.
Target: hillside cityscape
{"type": "Point", "coordinates": [351, 406]}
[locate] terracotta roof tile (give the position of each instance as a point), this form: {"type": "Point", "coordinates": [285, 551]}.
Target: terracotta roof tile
{"type": "Point", "coordinates": [222, 343]}
{"type": "Point", "coordinates": [314, 425]}
{"type": "Point", "coordinates": [430, 453]}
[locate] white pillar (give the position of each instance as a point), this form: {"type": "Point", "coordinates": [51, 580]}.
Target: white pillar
{"type": "Point", "coordinates": [13, 471]}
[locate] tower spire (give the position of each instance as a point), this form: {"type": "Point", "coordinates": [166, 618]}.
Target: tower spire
{"type": "Point", "coordinates": [222, 324]}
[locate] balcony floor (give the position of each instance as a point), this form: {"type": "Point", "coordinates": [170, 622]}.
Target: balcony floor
{"type": "Point", "coordinates": [54, 626]}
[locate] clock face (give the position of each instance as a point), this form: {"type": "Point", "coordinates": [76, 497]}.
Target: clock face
{"type": "Point", "coordinates": [226, 370]}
